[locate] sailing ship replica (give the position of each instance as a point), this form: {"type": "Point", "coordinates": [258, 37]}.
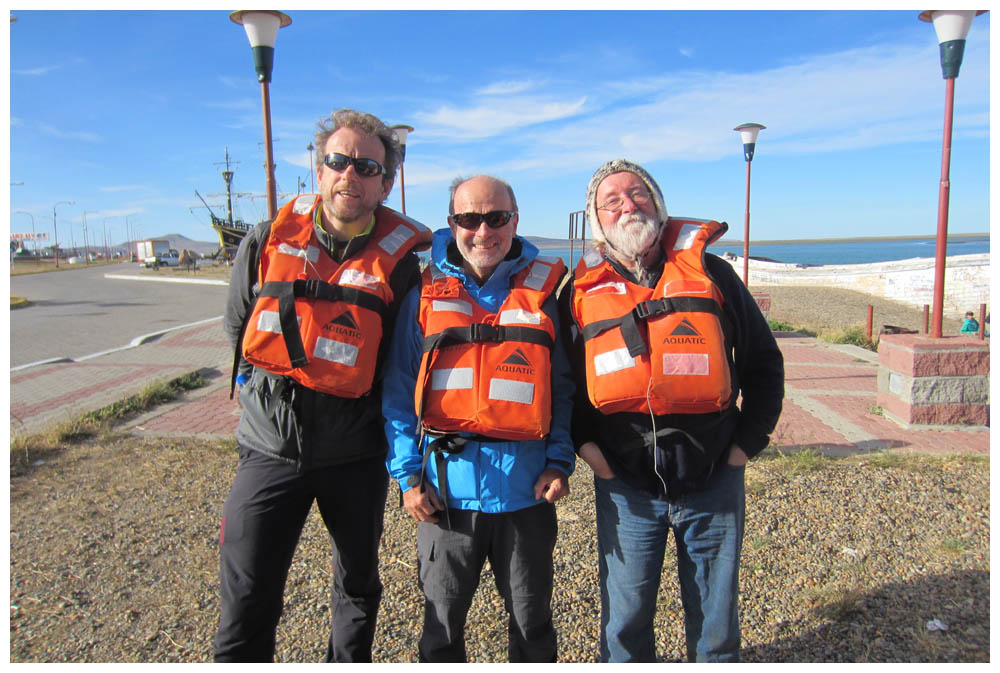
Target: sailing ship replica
{"type": "Point", "coordinates": [231, 231]}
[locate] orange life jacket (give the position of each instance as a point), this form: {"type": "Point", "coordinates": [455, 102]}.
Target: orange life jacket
{"type": "Point", "coordinates": [318, 321]}
{"type": "Point", "coordinates": [488, 373]}
{"type": "Point", "coordinates": [659, 349]}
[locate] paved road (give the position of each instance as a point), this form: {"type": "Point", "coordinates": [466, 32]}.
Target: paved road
{"type": "Point", "coordinates": [81, 312]}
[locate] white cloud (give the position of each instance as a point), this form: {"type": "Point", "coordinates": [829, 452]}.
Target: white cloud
{"type": "Point", "coordinates": [854, 99]}
{"type": "Point", "coordinates": [506, 88]}
{"type": "Point", "coordinates": [491, 119]}
{"type": "Point", "coordinates": [85, 136]}
{"type": "Point", "coordinates": [41, 70]}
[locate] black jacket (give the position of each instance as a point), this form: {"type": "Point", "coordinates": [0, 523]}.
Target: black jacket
{"type": "Point", "coordinates": [287, 420]}
{"type": "Point", "coordinates": [688, 447]}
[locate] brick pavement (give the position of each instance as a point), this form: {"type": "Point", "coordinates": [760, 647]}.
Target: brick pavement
{"type": "Point", "coordinates": [830, 396]}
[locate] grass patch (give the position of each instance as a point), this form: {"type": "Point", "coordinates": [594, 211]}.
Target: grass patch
{"type": "Point", "coordinates": [18, 302]}
{"type": "Point", "coordinates": [801, 462]}
{"type": "Point", "coordinates": [761, 542]}
{"type": "Point", "coordinates": [101, 421]}
{"type": "Point", "coordinates": [953, 546]}
{"type": "Point", "coordinates": [778, 326]}
{"type": "Point", "coordinates": [917, 463]}
{"type": "Point", "coordinates": [854, 336]}
{"type": "Point", "coordinates": [876, 410]}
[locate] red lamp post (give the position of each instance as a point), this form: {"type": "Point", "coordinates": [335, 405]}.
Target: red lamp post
{"type": "Point", "coordinates": [952, 27]}
{"type": "Point", "coordinates": [262, 31]}
{"type": "Point", "coordinates": [401, 131]}
{"type": "Point", "coordinates": [748, 134]}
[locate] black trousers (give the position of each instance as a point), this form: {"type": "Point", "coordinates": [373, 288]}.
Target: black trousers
{"type": "Point", "coordinates": [261, 523]}
{"type": "Point", "coordinates": [519, 546]}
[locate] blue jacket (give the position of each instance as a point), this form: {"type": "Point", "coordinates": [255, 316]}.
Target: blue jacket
{"type": "Point", "coordinates": [495, 476]}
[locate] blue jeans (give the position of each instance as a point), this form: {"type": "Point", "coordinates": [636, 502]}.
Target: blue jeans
{"type": "Point", "coordinates": [632, 529]}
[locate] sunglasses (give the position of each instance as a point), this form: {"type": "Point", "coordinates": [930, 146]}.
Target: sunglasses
{"type": "Point", "coordinates": [369, 168]}
{"type": "Point", "coordinates": [493, 219]}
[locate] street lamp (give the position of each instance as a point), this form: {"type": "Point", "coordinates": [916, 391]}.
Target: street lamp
{"type": "Point", "coordinates": [312, 168]}
{"type": "Point", "coordinates": [104, 228]}
{"type": "Point", "coordinates": [952, 27]}
{"type": "Point", "coordinates": [748, 133]}
{"type": "Point", "coordinates": [86, 247]}
{"type": "Point", "coordinates": [34, 242]}
{"type": "Point", "coordinates": [262, 30]}
{"type": "Point", "coordinates": [55, 230]}
{"type": "Point", "coordinates": [401, 131]}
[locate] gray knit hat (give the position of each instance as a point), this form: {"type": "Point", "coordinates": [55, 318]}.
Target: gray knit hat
{"type": "Point", "coordinates": [620, 166]}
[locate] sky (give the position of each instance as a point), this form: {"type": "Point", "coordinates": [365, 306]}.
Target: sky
{"type": "Point", "coordinates": [127, 113]}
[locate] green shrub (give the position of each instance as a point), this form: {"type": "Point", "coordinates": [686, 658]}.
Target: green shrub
{"type": "Point", "coordinates": [854, 336]}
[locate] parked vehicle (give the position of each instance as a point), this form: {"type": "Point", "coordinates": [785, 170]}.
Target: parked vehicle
{"type": "Point", "coordinates": [148, 252]}
{"type": "Point", "coordinates": [170, 258]}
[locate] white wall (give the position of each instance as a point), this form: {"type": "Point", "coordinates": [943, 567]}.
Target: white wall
{"type": "Point", "coordinates": [966, 279]}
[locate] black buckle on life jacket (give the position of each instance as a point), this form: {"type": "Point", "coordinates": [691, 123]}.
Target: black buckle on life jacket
{"type": "Point", "coordinates": [482, 332]}
{"type": "Point", "coordinates": [651, 308]}
{"type": "Point", "coordinates": [310, 287]}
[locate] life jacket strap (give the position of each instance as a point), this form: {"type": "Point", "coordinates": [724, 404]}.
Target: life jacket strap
{"type": "Point", "coordinates": [450, 443]}
{"type": "Point", "coordinates": [312, 288]}
{"type": "Point", "coordinates": [483, 333]}
{"type": "Point", "coordinates": [630, 323]}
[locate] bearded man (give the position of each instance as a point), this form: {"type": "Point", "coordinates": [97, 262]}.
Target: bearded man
{"type": "Point", "coordinates": [664, 339]}
{"type": "Point", "coordinates": [312, 299]}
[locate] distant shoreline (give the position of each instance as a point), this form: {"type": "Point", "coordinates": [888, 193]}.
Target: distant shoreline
{"type": "Point", "coordinates": [549, 243]}
{"type": "Point", "coordinates": [858, 239]}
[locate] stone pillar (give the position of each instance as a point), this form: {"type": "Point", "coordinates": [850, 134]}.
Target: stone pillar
{"type": "Point", "coordinates": [926, 381]}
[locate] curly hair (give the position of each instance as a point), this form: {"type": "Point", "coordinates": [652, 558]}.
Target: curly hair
{"type": "Point", "coordinates": [366, 123]}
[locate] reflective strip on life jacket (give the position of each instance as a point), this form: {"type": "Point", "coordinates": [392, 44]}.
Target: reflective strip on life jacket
{"type": "Point", "coordinates": [318, 321]}
{"type": "Point", "coordinates": [487, 373]}
{"type": "Point", "coordinates": [660, 349]}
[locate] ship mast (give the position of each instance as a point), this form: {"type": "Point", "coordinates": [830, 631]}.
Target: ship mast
{"type": "Point", "coordinates": [227, 175]}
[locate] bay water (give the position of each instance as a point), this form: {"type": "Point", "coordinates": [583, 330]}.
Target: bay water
{"type": "Point", "coordinates": [829, 252]}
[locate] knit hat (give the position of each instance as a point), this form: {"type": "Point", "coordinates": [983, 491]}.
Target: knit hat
{"type": "Point", "coordinates": [620, 166]}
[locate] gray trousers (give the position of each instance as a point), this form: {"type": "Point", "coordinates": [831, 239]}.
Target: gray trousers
{"type": "Point", "coordinates": [262, 519]}
{"type": "Point", "coordinates": [519, 547]}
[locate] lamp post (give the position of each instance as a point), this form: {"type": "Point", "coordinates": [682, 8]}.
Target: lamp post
{"type": "Point", "coordinates": [104, 228]}
{"type": "Point", "coordinates": [952, 27]}
{"type": "Point", "coordinates": [748, 133]}
{"type": "Point", "coordinates": [33, 241]}
{"type": "Point", "coordinates": [55, 230]}
{"type": "Point", "coordinates": [312, 168]}
{"type": "Point", "coordinates": [401, 131]}
{"type": "Point", "coordinates": [86, 247]}
{"type": "Point", "coordinates": [262, 30]}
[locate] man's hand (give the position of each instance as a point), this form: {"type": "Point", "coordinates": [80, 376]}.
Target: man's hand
{"type": "Point", "coordinates": [551, 485]}
{"type": "Point", "coordinates": [422, 506]}
{"type": "Point", "coordinates": [736, 456]}
{"type": "Point", "coordinates": [592, 455]}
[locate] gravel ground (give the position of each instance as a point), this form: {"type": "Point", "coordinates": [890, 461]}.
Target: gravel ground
{"type": "Point", "coordinates": [114, 557]}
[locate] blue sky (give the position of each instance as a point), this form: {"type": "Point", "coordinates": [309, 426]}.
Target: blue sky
{"type": "Point", "coordinates": [127, 113]}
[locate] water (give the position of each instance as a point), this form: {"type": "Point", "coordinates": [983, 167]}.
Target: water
{"type": "Point", "coordinates": [833, 252]}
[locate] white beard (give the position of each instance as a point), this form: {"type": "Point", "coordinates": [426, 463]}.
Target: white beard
{"type": "Point", "coordinates": [631, 237]}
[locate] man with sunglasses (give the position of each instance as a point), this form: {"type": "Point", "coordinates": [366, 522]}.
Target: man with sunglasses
{"type": "Point", "coordinates": [477, 401]}
{"type": "Point", "coordinates": [665, 339]}
{"type": "Point", "coordinates": [312, 301]}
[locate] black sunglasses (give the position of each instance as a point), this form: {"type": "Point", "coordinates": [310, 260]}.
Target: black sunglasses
{"type": "Point", "coordinates": [493, 219]}
{"type": "Point", "coordinates": [366, 167]}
